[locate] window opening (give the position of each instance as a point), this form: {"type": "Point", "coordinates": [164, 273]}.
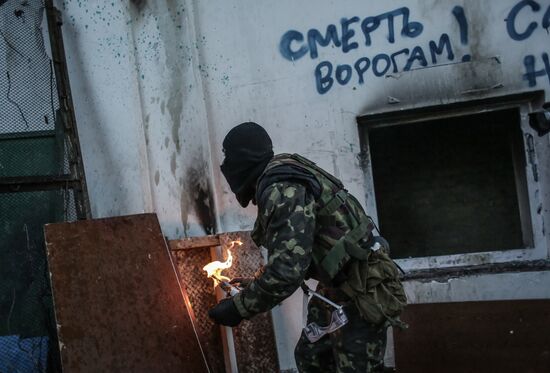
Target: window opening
{"type": "Point", "coordinates": [451, 185]}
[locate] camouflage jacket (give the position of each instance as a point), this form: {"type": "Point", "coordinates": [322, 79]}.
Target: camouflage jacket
{"type": "Point", "coordinates": [285, 226]}
{"type": "Point", "coordinates": [302, 213]}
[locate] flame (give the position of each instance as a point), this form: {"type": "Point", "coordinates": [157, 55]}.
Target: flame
{"type": "Point", "coordinates": [215, 268]}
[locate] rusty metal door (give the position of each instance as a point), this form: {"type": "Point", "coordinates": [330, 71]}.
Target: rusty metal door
{"type": "Point", "coordinates": [118, 303]}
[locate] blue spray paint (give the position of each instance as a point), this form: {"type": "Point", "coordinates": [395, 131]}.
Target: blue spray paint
{"type": "Point", "coordinates": [347, 34]}
{"type": "Point", "coordinates": [315, 38]}
{"type": "Point", "coordinates": [393, 58]}
{"type": "Point", "coordinates": [344, 70]}
{"type": "Point", "coordinates": [444, 43]}
{"type": "Point", "coordinates": [292, 46]}
{"type": "Point", "coordinates": [323, 81]}
{"type": "Point", "coordinates": [295, 45]}
{"type": "Point", "coordinates": [417, 54]}
{"type": "Point", "coordinates": [380, 64]}
{"type": "Point", "coordinates": [408, 29]}
{"type": "Point", "coordinates": [368, 25]}
{"type": "Point", "coordinates": [458, 12]}
{"type": "Point", "coordinates": [376, 64]}
{"type": "Point", "coordinates": [361, 66]}
{"type": "Point", "coordinates": [531, 74]}
{"type": "Point", "coordinates": [511, 20]}
{"type": "Point", "coordinates": [285, 45]}
{"type": "Point", "coordinates": [546, 19]}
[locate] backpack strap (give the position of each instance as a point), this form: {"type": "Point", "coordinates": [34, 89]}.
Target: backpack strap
{"type": "Point", "coordinates": [313, 165]}
{"type": "Point", "coordinates": [345, 248]}
{"type": "Point", "coordinates": [334, 204]}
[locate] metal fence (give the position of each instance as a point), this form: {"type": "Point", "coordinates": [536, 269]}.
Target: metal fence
{"type": "Point", "coordinates": [41, 178]}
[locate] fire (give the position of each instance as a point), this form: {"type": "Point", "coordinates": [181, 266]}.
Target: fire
{"type": "Point", "coordinates": [215, 268]}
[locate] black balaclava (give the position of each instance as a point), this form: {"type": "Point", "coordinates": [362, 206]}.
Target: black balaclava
{"type": "Point", "coordinates": [248, 149]}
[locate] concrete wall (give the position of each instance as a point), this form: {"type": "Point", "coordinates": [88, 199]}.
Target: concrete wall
{"type": "Point", "coordinates": [157, 85]}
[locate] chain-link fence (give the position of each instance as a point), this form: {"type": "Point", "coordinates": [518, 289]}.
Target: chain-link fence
{"type": "Point", "coordinates": [35, 158]}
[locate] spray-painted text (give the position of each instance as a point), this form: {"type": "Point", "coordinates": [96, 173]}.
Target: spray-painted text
{"type": "Point", "coordinates": [353, 33]}
{"type": "Point", "coordinates": [516, 17]}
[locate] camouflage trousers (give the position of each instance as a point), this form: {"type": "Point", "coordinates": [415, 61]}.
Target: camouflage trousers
{"type": "Point", "coordinates": [358, 346]}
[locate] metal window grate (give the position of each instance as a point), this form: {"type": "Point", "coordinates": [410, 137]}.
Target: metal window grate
{"type": "Point", "coordinates": [41, 178]}
{"type": "Point", "coordinates": [27, 83]}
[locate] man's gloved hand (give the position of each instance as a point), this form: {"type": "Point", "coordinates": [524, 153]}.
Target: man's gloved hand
{"type": "Point", "coordinates": [241, 281]}
{"type": "Point", "coordinates": [245, 281]}
{"type": "Point", "coordinates": [225, 313]}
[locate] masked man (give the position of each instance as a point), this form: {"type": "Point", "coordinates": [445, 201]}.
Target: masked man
{"type": "Point", "coordinates": [312, 228]}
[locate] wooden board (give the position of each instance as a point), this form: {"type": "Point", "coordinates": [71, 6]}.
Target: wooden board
{"type": "Point", "coordinates": [189, 243]}
{"type": "Point", "coordinates": [496, 336]}
{"type": "Point", "coordinates": [118, 304]}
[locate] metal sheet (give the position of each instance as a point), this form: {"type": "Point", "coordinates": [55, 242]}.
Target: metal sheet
{"type": "Point", "coordinates": [118, 304]}
{"type": "Point", "coordinates": [254, 340]}
{"type": "Point", "coordinates": [496, 336]}
{"type": "Point", "coordinates": [202, 297]}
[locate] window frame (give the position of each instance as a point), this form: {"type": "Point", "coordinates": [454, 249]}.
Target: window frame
{"type": "Point", "coordinates": [532, 223]}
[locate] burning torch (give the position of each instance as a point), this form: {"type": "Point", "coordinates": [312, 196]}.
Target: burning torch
{"type": "Point", "coordinates": [214, 271]}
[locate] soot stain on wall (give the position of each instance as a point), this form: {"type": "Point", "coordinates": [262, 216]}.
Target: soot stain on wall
{"type": "Point", "coordinates": [198, 196]}
{"type": "Point", "coordinates": [173, 164]}
{"type": "Point", "coordinates": [170, 32]}
{"type": "Point", "coordinates": [139, 4]}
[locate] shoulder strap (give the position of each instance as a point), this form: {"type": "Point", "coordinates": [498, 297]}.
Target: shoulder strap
{"type": "Point", "coordinates": [313, 165]}
{"type": "Point", "coordinates": [346, 248]}
{"type": "Point", "coordinates": [284, 168]}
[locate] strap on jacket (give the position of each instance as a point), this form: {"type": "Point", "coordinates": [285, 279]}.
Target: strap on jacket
{"type": "Point", "coordinates": [345, 248]}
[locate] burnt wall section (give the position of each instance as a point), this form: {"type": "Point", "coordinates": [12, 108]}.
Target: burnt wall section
{"type": "Point", "coordinates": [198, 199]}
{"type": "Point", "coordinates": [173, 109]}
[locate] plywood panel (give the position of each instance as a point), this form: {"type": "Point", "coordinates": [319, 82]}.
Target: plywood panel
{"type": "Point", "coordinates": [118, 304]}
{"type": "Point", "coordinates": [496, 336]}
